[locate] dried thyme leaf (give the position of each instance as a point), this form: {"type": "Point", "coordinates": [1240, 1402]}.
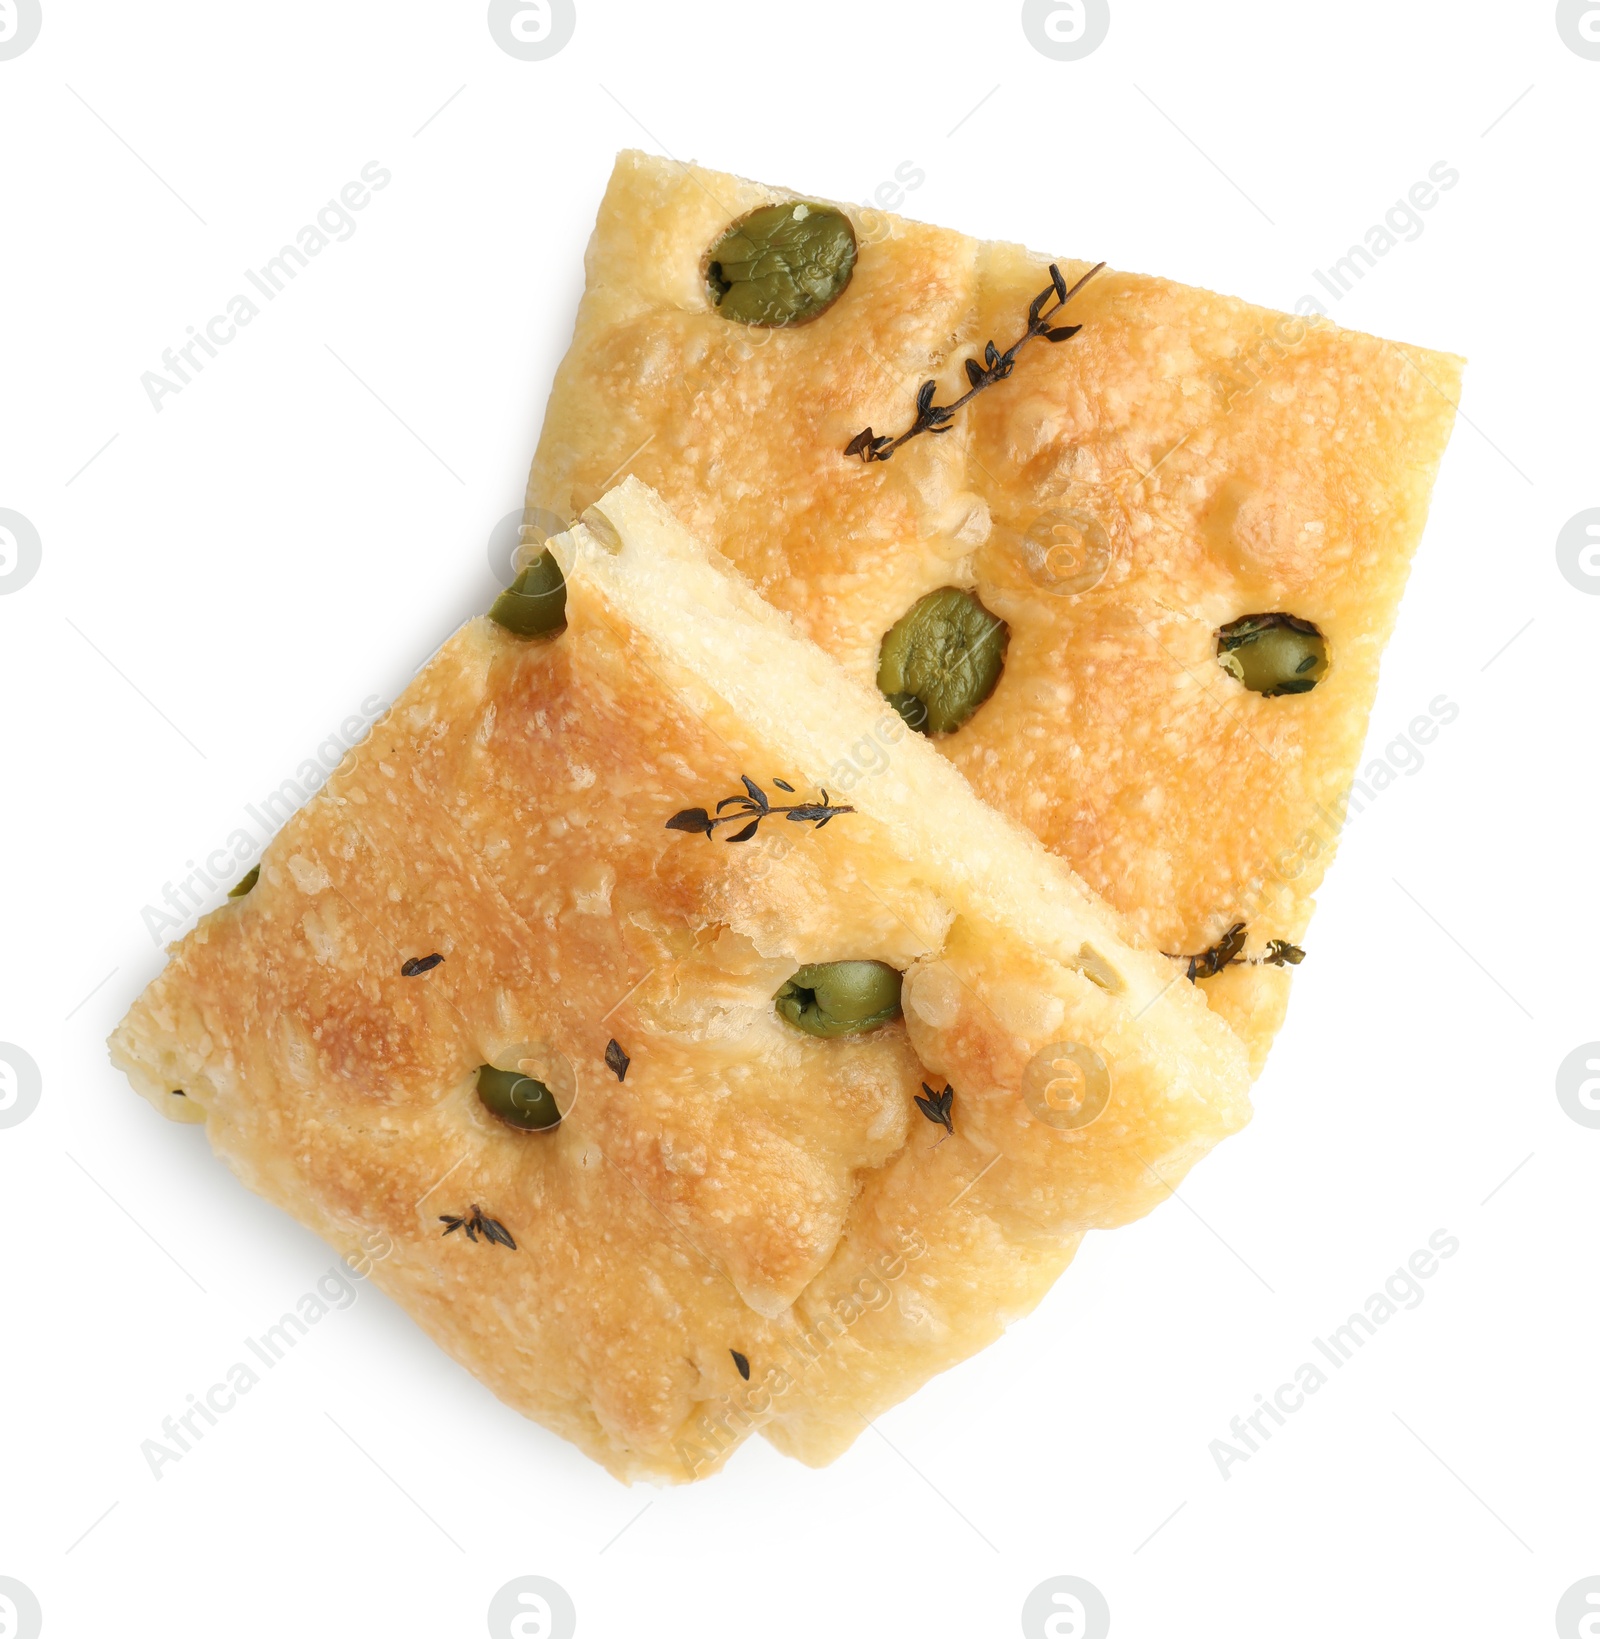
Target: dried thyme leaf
{"type": "Point", "coordinates": [752, 807]}
{"type": "Point", "coordinates": [1226, 953]}
{"type": "Point", "coordinates": [1215, 958]}
{"type": "Point", "coordinates": [996, 366]}
{"type": "Point", "coordinates": [937, 1106]}
{"type": "Point", "coordinates": [475, 1223]}
{"type": "Point", "coordinates": [691, 819]}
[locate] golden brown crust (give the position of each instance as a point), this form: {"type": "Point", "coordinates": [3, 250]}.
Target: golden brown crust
{"type": "Point", "coordinates": [508, 813]}
{"type": "Point", "coordinates": [1225, 460]}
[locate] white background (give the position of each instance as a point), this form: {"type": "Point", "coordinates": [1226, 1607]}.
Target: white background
{"type": "Point", "coordinates": [227, 580]}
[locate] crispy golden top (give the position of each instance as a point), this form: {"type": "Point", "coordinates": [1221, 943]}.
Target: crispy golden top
{"type": "Point", "coordinates": [1205, 458]}
{"type": "Point", "coordinates": [744, 1180]}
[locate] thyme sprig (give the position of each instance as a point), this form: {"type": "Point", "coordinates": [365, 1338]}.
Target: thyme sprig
{"type": "Point", "coordinates": [475, 1223]}
{"type": "Point", "coordinates": [996, 366]}
{"type": "Point", "coordinates": [1225, 953]}
{"type": "Point", "coordinates": [1214, 958]}
{"type": "Point", "coordinates": [754, 806]}
{"type": "Point", "coordinates": [936, 1107]}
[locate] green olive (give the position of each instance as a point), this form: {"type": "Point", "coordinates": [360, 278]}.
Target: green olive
{"type": "Point", "coordinates": [911, 709]}
{"type": "Point", "coordinates": [1273, 654]}
{"type": "Point", "coordinates": [782, 264]}
{"type": "Point", "coordinates": [535, 603]}
{"type": "Point", "coordinates": [942, 659]}
{"type": "Point", "coordinates": [245, 883]}
{"type": "Point", "coordinates": [840, 998]}
{"type": "Point", "coordinates": [518, 1100]}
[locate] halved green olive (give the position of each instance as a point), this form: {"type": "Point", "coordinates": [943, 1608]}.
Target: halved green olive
{"type": "Point", "coordinates": [840, 998]}
{"type": "Point", "coordinates": [782, 264]}
{"type": "Point", "coordinates": [911, 709]}
{"type": "Point", "coordinates": [245, 883]}
{"type": "Point", "coordinates": [942, 659]}
{"type": "Point", "coordinates": [535, 603]}
{"type": "Point", "coordinates": [1273, 654]}
{"type": "Point", "coordinates": [518, 1100]}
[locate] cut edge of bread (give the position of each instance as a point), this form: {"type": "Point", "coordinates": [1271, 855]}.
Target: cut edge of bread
{"type": "Point", "coordinates": [697, 610]}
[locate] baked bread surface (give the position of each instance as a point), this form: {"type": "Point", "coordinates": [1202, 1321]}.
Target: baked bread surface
{"type": "Point", "coordinates": [1206, 458]}
{"type": "Point", "coordinates": [746, 1187]}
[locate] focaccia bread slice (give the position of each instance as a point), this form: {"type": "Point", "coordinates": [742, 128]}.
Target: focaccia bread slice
{"type": "Point", "coordinates": [1120, 498]}
{"type": "Point", "coordinates": [707, 1202]}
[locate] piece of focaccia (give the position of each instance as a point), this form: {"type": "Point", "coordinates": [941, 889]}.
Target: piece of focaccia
{"type": "Point", "coordinates": [738, 1221]}
{"type": "Point", "coordinates": [1121, 498]}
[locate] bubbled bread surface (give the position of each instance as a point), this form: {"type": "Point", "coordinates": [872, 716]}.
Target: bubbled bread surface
{"type": "Point", "coordinates": [1218, 460]}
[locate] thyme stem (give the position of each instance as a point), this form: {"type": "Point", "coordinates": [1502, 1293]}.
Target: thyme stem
{"type": "Point", "coordinates": [996, 366]}
{"type": "Point", "coordinates": [753, 806]}
{"type": "Point", "coordinates": [1227, 952]}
